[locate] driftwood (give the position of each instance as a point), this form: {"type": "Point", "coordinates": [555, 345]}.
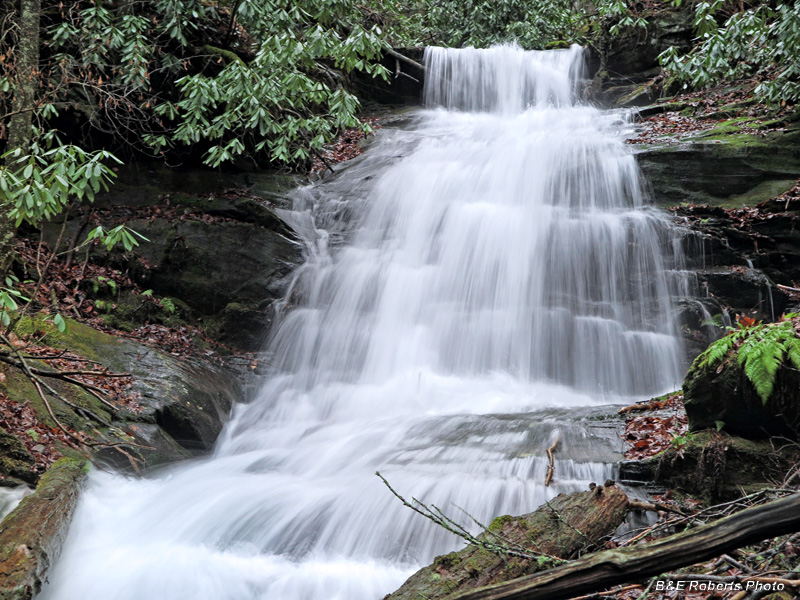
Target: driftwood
{"type": "Point", "coordinates": [551, 467]}
{"type": "Point", "coordinates": [621, 565]}
{"type": "Point", "coordinates": [405, 59]}
{"type": "Point", "coordinates": [560, 529]}
{"type": "Point", "coordinates": [32, 535]}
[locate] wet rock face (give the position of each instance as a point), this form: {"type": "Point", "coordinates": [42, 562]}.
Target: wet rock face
{"type": "Point", "coordinates": [188, 399]}
{"type": "Point", "coordinates": [736, 253]}
{"type": "Point", "coordinates": [185, 404]}
{"type": "Point", "coordinates": [722, 168]}
{"type": "Point", "coordinates": [230, 272]}
{"type": "Point", "coordinates": [626, 64]}
{"type": "Point", "coordinates": [740, 256]}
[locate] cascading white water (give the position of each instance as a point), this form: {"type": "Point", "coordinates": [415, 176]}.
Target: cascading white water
{"type": "Point", "coordinates": [497, 280]}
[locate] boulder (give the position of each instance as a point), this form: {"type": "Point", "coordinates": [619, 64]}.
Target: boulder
{"type": "Point", "coordinates": [16, 463]}
{"type": "Point", "coordinates": [720, 395]}
{"type": "Point", "coordinates": [714, 466]}
{"type": "Point", "coordinates": [183, 402]}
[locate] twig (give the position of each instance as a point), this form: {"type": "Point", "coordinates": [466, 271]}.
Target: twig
{"type": "Point", "coordinates": [49, 408]}
{"type": "Point", "coordinates": [735, 563]}
{"type": "Point", "coordinates": [551, 467]}
{"type": "Point", "coordinates": [437, 516]}
{"type": "Point", "coordinates": [7, 358]}
{"type": "Point", "coordinates": [646, 591]}
{"type": "Point", "coordinates": [93, 391]}
{"type": "Point", "coordinates": [618, 590]}
{"type": "Point", "coordinates": [655, 507]}
{"type": "Point", "coordinates": [63, 355]}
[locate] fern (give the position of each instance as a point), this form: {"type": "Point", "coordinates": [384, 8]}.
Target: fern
{"type": "Point", "coordinates": [793, 351]}
{"type": "Point", "coordinates": [720, 349]}
{"type": "Point", "coordinates": [761, 350]}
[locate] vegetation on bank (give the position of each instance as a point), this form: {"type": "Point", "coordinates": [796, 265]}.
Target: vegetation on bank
{"type": "Point", "coordinates": [268, 83]}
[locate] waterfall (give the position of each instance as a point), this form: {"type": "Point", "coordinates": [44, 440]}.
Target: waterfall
{"type": "Point", "coordinates": [476, 283]}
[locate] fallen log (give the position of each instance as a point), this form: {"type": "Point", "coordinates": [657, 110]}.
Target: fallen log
{"type": "Point", "coordinates": [622, 565]}
{"type": "Point", "coordinates": [31, 536]}
{"type": "Point", "coordinates": [560, 529]}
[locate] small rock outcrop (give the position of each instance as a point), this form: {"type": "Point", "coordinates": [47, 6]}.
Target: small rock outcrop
{"type": "Point", "coordinates": [216, 247]}
{"type": "Point", "coordinates": [626, 64]}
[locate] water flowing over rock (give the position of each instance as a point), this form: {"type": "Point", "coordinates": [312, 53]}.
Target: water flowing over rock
{"type": "Point", "coordinates": [475, 285]}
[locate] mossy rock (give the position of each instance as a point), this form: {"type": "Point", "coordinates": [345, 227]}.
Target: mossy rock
{"type": "Point", "coordinates": [722, 166]}
{"type": "Point", "coordinates": [713, 466]}
{"type": "Point", "coordinates": [78, 338]}
{"type": "Point", "coordinates": [31, 536]}
{"type": "Point", "coordinates": [184, 402]}
{"type": "Point", "coordinates": [720, 395]}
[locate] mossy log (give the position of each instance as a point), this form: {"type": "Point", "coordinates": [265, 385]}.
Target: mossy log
{"type": "Point", "coordinates": [31, 537]}
{"type": "Point", "coordinates": [562, 528]}
{"type": "Point", "coordinates": [621, 565]}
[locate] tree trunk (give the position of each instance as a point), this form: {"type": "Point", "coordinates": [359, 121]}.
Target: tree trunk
{"type": "Point", "coordinates": [26, 60]}
{"type": "Point", "coordinates": [26, 81]}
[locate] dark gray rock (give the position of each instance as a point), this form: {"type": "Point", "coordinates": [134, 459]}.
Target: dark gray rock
{"type": "Point", "coordinates": [625, 66]}
{"type": "Point", "coordinates": [16, 462]}
{"type": "Point", "coordinates": [184, 404]}
{"type": "Point", "coordinates": [721, 395]}
{"type": "Point", "coordinates": [215, 244]}
{"type": "Point", "coordinates": [722, 169]}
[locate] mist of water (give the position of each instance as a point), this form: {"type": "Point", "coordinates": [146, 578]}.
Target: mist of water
{"type": "Point", "coordinates": [475, 285]}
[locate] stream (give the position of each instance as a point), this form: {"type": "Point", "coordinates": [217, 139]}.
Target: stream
{"type": "Point", "coordinates": [482, 281]}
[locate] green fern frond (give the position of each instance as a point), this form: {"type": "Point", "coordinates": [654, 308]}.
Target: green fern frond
{"type": "Point", "coordinates": [717, 351]}
{"type": "Point", "coordinates": [761, 359]}
{"type": "Point", "coordinates": [762, 351]}
{"type": "Point", "coordinates": [793, 351]}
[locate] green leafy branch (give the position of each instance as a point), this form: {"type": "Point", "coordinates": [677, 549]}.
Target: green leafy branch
{"type": "Point", "coordinates": [763, 40]}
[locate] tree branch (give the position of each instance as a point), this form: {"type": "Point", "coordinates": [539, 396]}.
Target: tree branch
{"type": "Point", "coordinates": [405, 59]}
{"type": "Point", "coordinates": [621, 565]}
